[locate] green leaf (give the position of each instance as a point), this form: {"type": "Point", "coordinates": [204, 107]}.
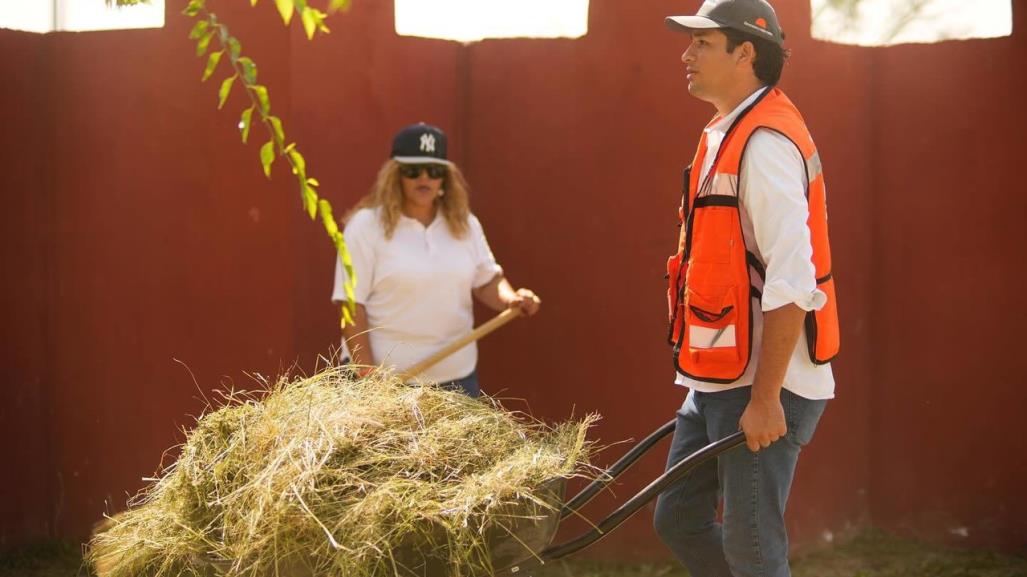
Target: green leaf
{"type": "Point", "coordinates": [267, 156]}
{"type": "Point", "coordinates": [310, 201]}
{"type": "Point", "coordinates": [276, 128]}
{"type": "Point", "coordinates": [350, 287]}
{"type": "Point", "coordinates": [313, 182]}
{"type": "Point", "coordinates": [249, 70]}
{"type": "Point", "coordinates": [244, 123]}
{"type": "Point", "coordinates": [226, 88]}
{"type": "Point", "coordinates": [199, 29]}
{"type": "Point", "coordinates": [313, 20]}
{"type": "Point", "coordinates": [285, 8]}
{"type": "Point", "coordinates": [309, 18]}
{"type": "Point", "coordinates": [203, 43]}
{"type": "Point", "coordinates": [331, 227]}
{"type": "Point", "coordinates": [347, 261]}
{"type": "Point", "coordinates": [336, 5]}
{"type": "Point", "coordinates": [298, 162]}
{"type": "Point", "coordinates": [212, 64]}
{"type": "Point", "coordinates": [351, 274]}
{"type": "Point", "coordinates": [234, 47]}
{"type": "Point", "coordinates": [193, 8]}
{"type": "Point", "coordinates": [253, 2]}
{"type": "Point", "coordinates": [262, 99]}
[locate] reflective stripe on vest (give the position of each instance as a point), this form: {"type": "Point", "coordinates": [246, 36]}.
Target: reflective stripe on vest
{"type": "Point", "coordinates": [711, 290]}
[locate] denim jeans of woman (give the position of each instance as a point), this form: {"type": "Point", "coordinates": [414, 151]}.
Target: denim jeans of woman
{"type": "Point", "coordinates": [467, 385]}
{"type": "Point", "coordinates": [751, 540]}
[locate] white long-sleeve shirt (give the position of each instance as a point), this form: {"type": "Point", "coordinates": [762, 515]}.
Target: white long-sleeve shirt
{"type": "Point", "coordinates": [773, 209]}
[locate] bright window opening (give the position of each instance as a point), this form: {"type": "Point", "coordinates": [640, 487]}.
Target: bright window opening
{"type": "Point", "coordinates": [473, 20]}
{"type": "Point", "coordinates": [888, 22]}
{"type": "Point", "coordinates": [78, 15]}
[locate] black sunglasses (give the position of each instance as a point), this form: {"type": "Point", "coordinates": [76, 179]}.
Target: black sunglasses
{"type": "Point", "coordinates": [414, 170]}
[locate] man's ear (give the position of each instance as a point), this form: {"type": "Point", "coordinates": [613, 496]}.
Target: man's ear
{"type": "Point", "coordinates": [747, 53]}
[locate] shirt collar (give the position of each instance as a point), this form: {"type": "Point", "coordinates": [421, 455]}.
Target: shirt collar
{"type": "Point", "coordinates": [721, 125]}
{"type": "Point", "coordinates": [416, 223]}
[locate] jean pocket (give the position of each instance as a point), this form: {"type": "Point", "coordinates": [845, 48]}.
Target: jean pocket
{"type": "Point", "coordinates": [801, 416]}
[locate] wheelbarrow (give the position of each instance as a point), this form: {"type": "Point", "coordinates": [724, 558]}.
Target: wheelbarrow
{"type": "Point", "coordinates": [527, 544]}
{"type": "Point", "coordinates": [523, 546]}
{"type": "Point", "coordinates": [531, 547]}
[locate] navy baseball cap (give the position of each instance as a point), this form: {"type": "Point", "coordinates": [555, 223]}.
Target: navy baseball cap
{"type": "Point", "coordinates": [753, 17]}
{"type": "Point", "coordinates": [420, 144]}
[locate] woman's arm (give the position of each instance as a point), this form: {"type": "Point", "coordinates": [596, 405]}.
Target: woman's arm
{"type": "Point", "coordinates": [498, 295]}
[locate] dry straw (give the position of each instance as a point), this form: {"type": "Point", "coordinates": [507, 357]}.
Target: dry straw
{"type": "Point", "coordinates": [335, 476]}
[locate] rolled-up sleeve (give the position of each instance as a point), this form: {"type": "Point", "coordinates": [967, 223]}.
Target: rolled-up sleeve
{"type": "Point", "coordinates": [485, 266]}
{"type": "Point", "coordinates": [359, 234]}
{"type": "Point", "coordinates": [773, 173]}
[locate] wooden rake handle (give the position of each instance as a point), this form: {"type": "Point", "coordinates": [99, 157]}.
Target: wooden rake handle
{"type": "Point", "coordinates": [486, 328]}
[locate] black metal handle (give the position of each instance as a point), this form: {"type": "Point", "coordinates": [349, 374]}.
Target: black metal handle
{"type": "Point", "coordinates": [629, 508]}
{"type": "Point", "coordinates": [623, 464]}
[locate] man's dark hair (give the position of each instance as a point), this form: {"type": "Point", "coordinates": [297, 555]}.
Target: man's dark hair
{"type": "Point", "coordinates": [770, 56]}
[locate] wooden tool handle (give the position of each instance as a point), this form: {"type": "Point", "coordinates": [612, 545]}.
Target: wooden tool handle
{"type": "Point", "coordinates": [486, 328]}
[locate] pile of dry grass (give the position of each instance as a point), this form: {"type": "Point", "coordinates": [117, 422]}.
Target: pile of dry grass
{"type": "Point", "coordinates": [335, 476]}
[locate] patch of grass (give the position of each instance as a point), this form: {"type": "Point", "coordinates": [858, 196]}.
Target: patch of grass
{"type": "Point", "coordinates": [44, 559]}
{"type": "Point", "coordinates": [582, 568]}
{"type": "Point", "coordinates": [872, 554]}
{"type": "Point", "coordinates": [875, 553]}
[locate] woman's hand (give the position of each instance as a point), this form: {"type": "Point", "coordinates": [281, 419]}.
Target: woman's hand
{"type": "Point", "coordinates": [526, 300]}
{"type": "Point", "coordinates": [498, 295]}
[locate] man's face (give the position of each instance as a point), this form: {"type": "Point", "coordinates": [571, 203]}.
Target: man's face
{"type": "Point", "coordinates": [710, 68]}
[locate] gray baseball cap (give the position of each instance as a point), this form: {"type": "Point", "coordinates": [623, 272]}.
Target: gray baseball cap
{"type": "Point", "coordinates": [753, 17]}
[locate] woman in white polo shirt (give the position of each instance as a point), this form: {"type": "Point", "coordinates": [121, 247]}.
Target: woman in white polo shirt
{"type": "Point", "coordinates": [419, 255]}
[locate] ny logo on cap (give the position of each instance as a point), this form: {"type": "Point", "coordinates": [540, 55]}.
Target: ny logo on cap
{"type": "Point", "coordinates": [427, 142]}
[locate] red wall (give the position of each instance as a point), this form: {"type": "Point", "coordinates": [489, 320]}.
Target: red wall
{"type": "Point", "coordinates": [25, 254]}
{"type": "Point", "coordinates": [946, 421]}
{"type": "Point", "coordinates": [153, 236]}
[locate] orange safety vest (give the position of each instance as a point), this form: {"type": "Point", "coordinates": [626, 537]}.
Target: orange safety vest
{"type": "Point", "coordinates": [710, 276]}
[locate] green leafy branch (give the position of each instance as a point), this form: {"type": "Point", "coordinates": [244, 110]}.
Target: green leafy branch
{"type": "Point", "coordinates": [244, 71]}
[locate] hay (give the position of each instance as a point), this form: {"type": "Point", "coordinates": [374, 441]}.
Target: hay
{"type": "Point", "coordinates": [333, 476]}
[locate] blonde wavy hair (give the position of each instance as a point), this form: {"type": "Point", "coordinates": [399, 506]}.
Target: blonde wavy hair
{"type": "Point", "coordinates": [387, 194]}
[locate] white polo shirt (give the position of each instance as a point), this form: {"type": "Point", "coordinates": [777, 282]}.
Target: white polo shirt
{"type": "Point", "coordinates": [416, 288]}
{"type": "Point", "coordinates": [774, 211]}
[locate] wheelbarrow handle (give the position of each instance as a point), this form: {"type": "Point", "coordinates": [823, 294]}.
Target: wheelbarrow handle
{"type": "Point", "coordinates": [623, 464]}
{"type": "Point", "coordinates": [629, 508]}
{"type": "Point", "coordinates": [485, 328]}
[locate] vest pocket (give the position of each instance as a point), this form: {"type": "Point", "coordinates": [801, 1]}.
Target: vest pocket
{"type": "Point", "coordinates": [712, 324]}
{"type": "Point", "coordinates": [716, 246]}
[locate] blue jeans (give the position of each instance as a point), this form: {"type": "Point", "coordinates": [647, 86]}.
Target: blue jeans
{"type": "Point", "coordinates": [467, 385]}
{"type": "Point", "coordinates": [751, 541]}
